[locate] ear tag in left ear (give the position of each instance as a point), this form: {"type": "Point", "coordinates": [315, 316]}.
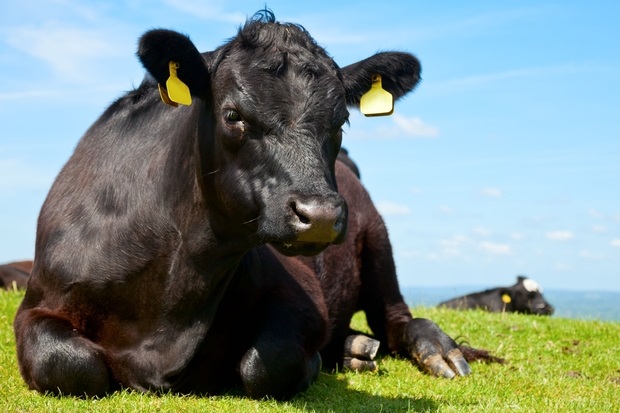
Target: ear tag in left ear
{"type": "Point", "coordinates": [506, 298]}
{"type": "Point", "coordinates": [177, 90]}
{"type": "Point", "coordinates": [377, 101]}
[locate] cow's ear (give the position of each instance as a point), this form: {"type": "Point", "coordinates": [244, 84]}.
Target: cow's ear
{"type": "Point", "coordinates": [400, 73]}
{"type": "Point", "coordinates": [159, 47]}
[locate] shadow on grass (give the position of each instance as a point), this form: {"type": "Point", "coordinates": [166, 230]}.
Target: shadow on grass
{"type": "Point", "coordinates": [332, 394]}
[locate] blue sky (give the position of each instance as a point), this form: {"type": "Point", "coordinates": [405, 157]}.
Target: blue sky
{"type": "Point", "coordinates": [504, 161]}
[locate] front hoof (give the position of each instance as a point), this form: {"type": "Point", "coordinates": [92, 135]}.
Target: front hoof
{"type": "Point", "coordinates": [352, 363]}
{"type": "Point", "coordinates": [361, 347]}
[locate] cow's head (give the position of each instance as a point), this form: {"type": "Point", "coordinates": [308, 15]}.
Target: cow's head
{"type": "Point", "coordinates": [273, 104]}
{"type": "Point", "coordinates": [526, 297]}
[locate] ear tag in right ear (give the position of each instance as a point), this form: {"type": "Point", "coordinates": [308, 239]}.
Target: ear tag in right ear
{"type": "Point", "coordinates": [177, 90]}
{"type": "Point", "coordinates": [506, 298]}
{"type": "Point", "coordinates": [377, 101]}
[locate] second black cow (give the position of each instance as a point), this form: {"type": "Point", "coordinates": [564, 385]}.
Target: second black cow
{"type": "Point", "coordinates": [166, 250]}
{"type": "Point", "coordinates": [523, 297]}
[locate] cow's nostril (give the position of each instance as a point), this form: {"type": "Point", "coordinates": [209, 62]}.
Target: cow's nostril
{"type": "Point", "coordinates": [302, 218]}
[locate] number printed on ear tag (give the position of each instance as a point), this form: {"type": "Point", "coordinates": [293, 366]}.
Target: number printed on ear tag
{"type": "Point", "coordinates": [377, 101]}
{"type": "Point", "coordinates": [177, 90]}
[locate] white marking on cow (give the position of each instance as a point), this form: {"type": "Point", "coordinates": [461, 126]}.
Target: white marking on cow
{"type": "Point", "coordinates": [532, 285]}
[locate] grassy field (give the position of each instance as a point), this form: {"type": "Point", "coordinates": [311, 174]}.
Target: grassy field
{"type": "Point", "coordinates": [553, 365]}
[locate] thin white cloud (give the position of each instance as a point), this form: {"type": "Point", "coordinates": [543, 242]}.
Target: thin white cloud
{"type": "Point", "coordinates": [561, 235]}
{"type": "Point", "coordinates": [72, 53]}
{"type": "Point", "coordinates": [517, 236]}
{"type": "Point", "coordinates": [589, 255]}
{"type": "Point", "coordinates": [414, 127]}
{"type": "Point", "coordinates": [454, 241]}
{"type": "Point", "coordinates": [473, 24]}
{"type": "Point", "coordinates": [562, 266]}
{"type": "Point", "coordinates": [211, 10]}
{"type": "Point", "coordinates": [453, 246]}
{"type": "Point", "coordinates": [483, 232]}
{"type": "Point", "coordinates": [395, 126]}
{"type": "Point", "coordinates": [446, 210]}
{"type": "Point", "coordinates": [18, 175]}
{"type": "Point", "coordinates": [491, 192]}
{"type": "Point", "coordinates": [595, 214]}
{"type": "Point", "coordinates": [30, 94]}
{"type": "Point", "coordinates": [83, 93]}
{"type": "Point", "coordinates": [333, 36]}
{"type": "Point", "coordinates": [387, 208]}
{"type": "Point", "coordinates": [615, 243]}
{"type": "Point", "coordinates": [599, 229]}
{"type": "Point", "coordinates": [469, 82]}
{"type": "Point", "coordinates": [496, 249]}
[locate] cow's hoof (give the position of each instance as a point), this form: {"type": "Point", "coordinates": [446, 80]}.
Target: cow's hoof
{"type": "Point", "coordinates": [361, 347]}
{"type": "Point", "coordinates": [355, 364]}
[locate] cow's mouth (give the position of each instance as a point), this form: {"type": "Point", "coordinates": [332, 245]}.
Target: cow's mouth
{"type": "Point", "coordinates": [300, 248]}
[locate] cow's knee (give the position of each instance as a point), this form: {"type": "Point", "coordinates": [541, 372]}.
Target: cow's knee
{"type": "Point", "coordinates": [278, 371]}
{"type": "Point", "coordinates": [55, 358]}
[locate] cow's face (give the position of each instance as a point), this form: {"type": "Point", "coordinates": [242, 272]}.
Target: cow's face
{"type": "Point", "coordinates": [276, 104]}
{"type": "Point", "coordinates": [278, 120]}
{"type": "Point", "coordinates": [526, 296]}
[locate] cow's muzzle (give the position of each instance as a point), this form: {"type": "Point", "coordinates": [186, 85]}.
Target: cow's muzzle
{"type": "Point", "coordinates": [317, 222]}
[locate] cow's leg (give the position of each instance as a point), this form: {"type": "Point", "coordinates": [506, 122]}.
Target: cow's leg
{"type": "Point", "coordinates": [53, 357]}
{"type": "Point", "coordinates": [276, 369]}
{"type": "Point", "coordinates": [389, 317]}
{"type": "Point", "coordinates": [280, 364]}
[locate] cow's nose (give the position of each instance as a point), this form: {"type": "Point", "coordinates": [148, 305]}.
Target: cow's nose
{"type": "Point", "coordinates": [545, 308]}
{"type": "Point", "coordinates": [319, 220]}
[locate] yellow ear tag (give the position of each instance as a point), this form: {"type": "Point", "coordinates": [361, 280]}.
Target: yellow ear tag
{"type": "Point", "coordinates": [163, 94]}
{"type": "Point", "coordinates": [377, 101]}
{"type": "Point", "coordinates": [177, 90]}
{"type": "Point", "coordinates": [506, 298]}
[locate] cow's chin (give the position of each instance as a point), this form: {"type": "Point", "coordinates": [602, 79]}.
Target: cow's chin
{"type": "Point", "coordinates": [300, 248]}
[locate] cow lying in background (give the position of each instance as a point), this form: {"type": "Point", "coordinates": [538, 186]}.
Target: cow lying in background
{"type": "Point", "coordinates": [523, 297]}
{"type": "Point", "coordinates": [14, 275]}
{"type": "Point", "coordinates": [343, 156]}
{"type": "Point", "coordinates": [168, 249]}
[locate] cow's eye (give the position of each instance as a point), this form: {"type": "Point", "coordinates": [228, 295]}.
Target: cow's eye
{"type": "Point", "coordinates": [232, 116]}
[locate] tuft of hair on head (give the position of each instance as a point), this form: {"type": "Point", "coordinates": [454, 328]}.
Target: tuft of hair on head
{"type": "Point", "coordinates": [265, 15]}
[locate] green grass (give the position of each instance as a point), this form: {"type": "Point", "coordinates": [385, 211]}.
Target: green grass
{"type": "Point", "coordinates": [553, 365]}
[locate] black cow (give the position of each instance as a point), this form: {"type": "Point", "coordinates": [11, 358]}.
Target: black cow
{"type": "Point", "coordinates": [14, 275]}
{"type": "Point", "coordinates": [523, 297]}
{"type": "Point", "coordinates": [166, 250]}
{"type": "Point", "coordinates": [343, 156]}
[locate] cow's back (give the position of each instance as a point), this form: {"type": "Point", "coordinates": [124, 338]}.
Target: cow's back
{"type": "Point", "coordinates": [15, 275]}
